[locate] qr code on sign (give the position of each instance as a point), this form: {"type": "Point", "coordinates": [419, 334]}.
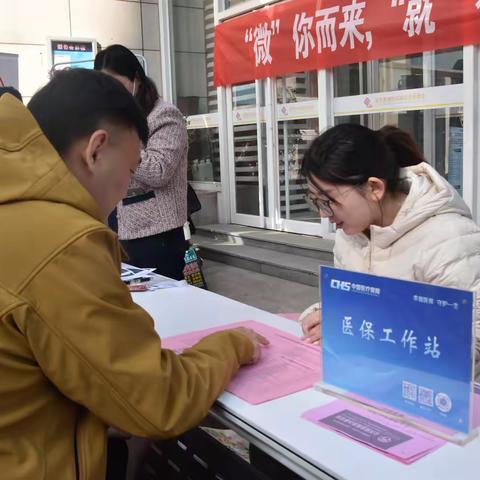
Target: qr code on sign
{"type": "Point", "coordinates": [409, 391]}
{"type": "Point", "coordinates": [425, 396]}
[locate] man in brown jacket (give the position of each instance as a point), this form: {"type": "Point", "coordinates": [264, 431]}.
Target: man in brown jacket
{"type": "Point", "coordinates": [76, 354]}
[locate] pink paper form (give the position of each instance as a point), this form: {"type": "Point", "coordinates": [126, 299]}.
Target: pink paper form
{"type": "Point", "coordinates": [287, 365]}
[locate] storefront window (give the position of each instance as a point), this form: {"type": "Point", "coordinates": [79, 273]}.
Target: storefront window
{"type": "Point", "coordinates": [350, 79]}
{"type": "Point", "coordinates": [399, 73]}
{"type": "Point", "coordinates": [449, 66]}
{"type": "Point", "coordinates": [299, 87]}
{"type": "Point", "coordinates": [193, 27]}
{"type": "Point", "coordinates": [358, 119]}
{"type": "Point", "coordinates": [243, 96]}
{"type": "Point", "coordinates": [203, 155]}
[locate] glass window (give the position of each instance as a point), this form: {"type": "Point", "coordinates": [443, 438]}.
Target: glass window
{"type": "Point", "coordinates": [193, 28]}
{"type": "Point", "coordinates": [358, 119]}
{"type": "Point", "coordinates": [203, 155]}
{"type": "Point", "coordinates": [233, 3]}
{"type": "Point", "coordinates": [438, 133]}
{"type": "Point", "coordinates": [243, 96]}
{"type": "Point", "coordinates": [299, 87]}
{"type": "Point", "coordinates": [294, 137]}
{"type": "Point", "coordinates": [449, 66]}
{"type": "Point", "coordinates": [399, 73]}
{"type": "Point", "coordinates": [246, 169]}
{"type": "Point", "coordinates": [350, 79]}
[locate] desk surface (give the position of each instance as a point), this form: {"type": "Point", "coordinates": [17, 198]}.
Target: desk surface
{"type": "Point", "coordinates": [276, 426]}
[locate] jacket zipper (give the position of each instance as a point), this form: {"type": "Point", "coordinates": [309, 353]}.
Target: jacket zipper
{"type": "Point", "coordinates": [75, 450]}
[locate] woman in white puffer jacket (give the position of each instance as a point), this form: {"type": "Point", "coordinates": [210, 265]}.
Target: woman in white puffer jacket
{"type": "Point", "coordinates": [407, 223]}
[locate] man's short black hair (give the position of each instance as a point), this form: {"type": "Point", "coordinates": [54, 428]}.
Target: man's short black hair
{"type": "Point", "coordinates": [77, 102]}
{"type": "Point", "coordinates": [12, 91]}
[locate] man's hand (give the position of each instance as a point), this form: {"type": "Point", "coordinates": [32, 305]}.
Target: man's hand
{"type": "Point", "coordinates": [257, 340]}
{"type": "Point", "coordinates": [311, 326]}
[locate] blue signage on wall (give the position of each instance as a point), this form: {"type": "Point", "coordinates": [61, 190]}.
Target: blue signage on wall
{"type": "Point", "coordinates": [404, 344]}
{"type": "Point", "coordinates": [72, 54]}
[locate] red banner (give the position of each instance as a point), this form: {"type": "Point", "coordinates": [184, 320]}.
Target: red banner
{"type": "Point", "coordinates": [303, 35]}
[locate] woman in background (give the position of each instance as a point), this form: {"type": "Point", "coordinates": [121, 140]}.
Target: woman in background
{"type": "Point", "coordinates": [151, 217]}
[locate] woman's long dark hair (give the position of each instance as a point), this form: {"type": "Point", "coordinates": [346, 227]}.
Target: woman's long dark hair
{"type": "Point", "coordinates": [348, 154]}
{"type": "Point", "coordinates": [120, 60]}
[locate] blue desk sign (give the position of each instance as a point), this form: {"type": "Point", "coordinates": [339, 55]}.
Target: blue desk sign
{"type": "Point", "coordinates": [405, 345]}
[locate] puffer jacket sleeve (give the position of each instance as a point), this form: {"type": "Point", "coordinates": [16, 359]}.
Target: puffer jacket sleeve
{"type": "Point", "coordinates": [101, 350]}
{"type": "Point", "coordinates": [308, 311]}
{"type": "Point", "coordinates": [455, 263]}
{"type": "Point", "coordinates": [337, 262]}
{"type": "Point", "coordinates": [166, 149]}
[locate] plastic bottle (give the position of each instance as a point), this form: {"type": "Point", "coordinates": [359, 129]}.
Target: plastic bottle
{"type": "Point", "coordinates": [195, 171]}
{"type": "Point", "coordinates": [208, 170]}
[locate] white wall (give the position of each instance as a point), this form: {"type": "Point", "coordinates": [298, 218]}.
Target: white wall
{"type": "Point", "coordinates": [26, 24]}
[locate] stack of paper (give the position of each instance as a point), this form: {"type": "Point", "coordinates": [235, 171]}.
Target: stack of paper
{"type": "Point", "coordinates": [130, 273]}
{"type": "Point", "coordinates": [143, 279]}
{"type": "Point", "coordinates": [287, 365]}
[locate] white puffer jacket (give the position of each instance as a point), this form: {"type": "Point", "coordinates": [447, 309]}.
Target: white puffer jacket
{"type": "Point", "coordinates": [433, 239]}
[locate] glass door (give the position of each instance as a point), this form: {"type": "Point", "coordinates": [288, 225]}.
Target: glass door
{"type": "Point", "coordinates": [297, 125]}
{"type": "Point", "coordinates": [247, 152]}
